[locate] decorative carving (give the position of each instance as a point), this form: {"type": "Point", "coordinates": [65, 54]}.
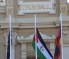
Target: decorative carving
{"type": "Point", "coordinates": [22, 39]}
{"type": "Point", "coordinates": [36, 7]}
{"type": "Point", "coordinates": [6, 38]}
{"type": "Point", "coordinates": [2, 2]}
{"type": "Point", "coordinates": [23, 51]}
{"type": "Point", "coordinates": [13, 43]}
{"type": "Point", "coordinates": [2, 6]}
{"type": "Point", "coordinates": [65, 32]}
{"type": "Point", "coordinates": [13, 38]}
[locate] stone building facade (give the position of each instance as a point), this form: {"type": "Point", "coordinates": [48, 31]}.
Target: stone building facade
{"type": "Point", "coordinates": [22, 14]}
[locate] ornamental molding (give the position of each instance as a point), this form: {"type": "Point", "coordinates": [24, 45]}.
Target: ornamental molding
{"type": "Point", "coordinates": [36, 7]}
{"type": "Point", "coordinates": [2, 2]}
{"type": "Point", "coordinates": [13, 38]}
{"type": "Point", "coordinates": [2, 6]}
{"type": "Point", "coordinates": [21, 38]}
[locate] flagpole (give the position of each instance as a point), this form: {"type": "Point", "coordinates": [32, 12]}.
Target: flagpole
{"type": "Point", "coordinates": [35, 35]}
{"type": "Point", "coordinates": [10, 33]}
{"type": "Point", "coordinates": [61, 35]}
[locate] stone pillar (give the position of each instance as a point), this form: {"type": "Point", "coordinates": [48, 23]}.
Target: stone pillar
{"type": "Point", "coordinates": [23, 51]}
{"type": "Point", "coordinates": [6, 41]}
{"type": "Point", "coordinates": [13, 52]}
{"type": "Point", "coordinates": [13, 43]}
{"type": "Point", "coordinates": [52, 48]}
{"type": "Point", "coordinates": [9, 7]}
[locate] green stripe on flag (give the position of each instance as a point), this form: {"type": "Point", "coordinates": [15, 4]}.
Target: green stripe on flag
{"type": "Point", "coordinates": [39, 53]}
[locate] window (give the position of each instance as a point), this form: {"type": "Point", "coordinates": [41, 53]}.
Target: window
{"type": "Point", "coordinates": [1, 0]}
{"type": "Point", "coordinates": [67, 1]}
{"type": "Point", "coordinates": [30, 52]}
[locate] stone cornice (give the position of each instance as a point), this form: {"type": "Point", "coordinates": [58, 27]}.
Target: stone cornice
{"type": "Point", "coordinates": [31, 25]}
{"type": "Point", "coordinates": [22, 39]}
{"type": "Point", "coordinates": [29, 22]}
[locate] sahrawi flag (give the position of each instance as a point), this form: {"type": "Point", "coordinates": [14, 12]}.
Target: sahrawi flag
{"type": "Point", "coordinates": [42, 50]}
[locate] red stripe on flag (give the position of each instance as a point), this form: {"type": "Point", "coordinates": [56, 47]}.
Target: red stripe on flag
{"type": "Point", "coordinates": [35, 38]}
{"type": "Point", "coordinates": [57, 44]}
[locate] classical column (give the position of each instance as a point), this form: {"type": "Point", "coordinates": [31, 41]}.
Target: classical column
{"type": "Point", "coordinates": [9, 7]}
{"type": "Point", "coordinates": [13, 52]}
{"type": "Point", "coordinates": [23, 51]}
{"type": "Point", "coordinates": [13, 43]}
{"type": "Point", "coordinates": [6, 41]}
{"type": "Point", "coordinates": [52, 48]}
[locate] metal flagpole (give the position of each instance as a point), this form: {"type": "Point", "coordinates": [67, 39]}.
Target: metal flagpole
{"type": "Point", "coordinates": [61, 35]}
{"type": "Point", "coordinates": [35, 35]}
{"type": "Point", "coordinates": [10, 34]}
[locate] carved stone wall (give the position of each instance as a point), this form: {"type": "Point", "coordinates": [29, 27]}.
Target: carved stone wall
{"type": "Point", "coordinates": [24, 25]}
{"type": "Point", "coordinates": [27, 51]}
{"type": "Point", "coordinates": [13, 43]}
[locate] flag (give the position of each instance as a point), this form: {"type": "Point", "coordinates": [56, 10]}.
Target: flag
{"type": "Point", "coordinates": [8, 47]}
{"type": "Point", "coordinates": [42, 50]}
{"type": "Point", "coordinates": [57, 43]}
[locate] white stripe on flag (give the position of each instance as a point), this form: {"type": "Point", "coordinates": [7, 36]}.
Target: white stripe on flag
{"type": "Point", "coordinates": [43, 50]}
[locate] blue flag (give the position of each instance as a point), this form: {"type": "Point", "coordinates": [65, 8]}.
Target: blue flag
{"type": "Point", "coordinates": [8, 47]}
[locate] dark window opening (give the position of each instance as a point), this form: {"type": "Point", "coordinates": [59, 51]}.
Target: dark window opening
{"type": "Point", "coordinates": [30, 53]}
{"type": "Point", "coordinates": [1, 0]}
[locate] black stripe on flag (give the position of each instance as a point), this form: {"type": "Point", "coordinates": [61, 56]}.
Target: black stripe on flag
{"type": "Point", "coordinates": [43, 43]}
{"type": "Point", "coordinates": [8, 47]}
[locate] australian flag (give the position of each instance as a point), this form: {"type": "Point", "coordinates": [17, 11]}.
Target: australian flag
{"type": "Point", "coordinates": [8, 47]}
